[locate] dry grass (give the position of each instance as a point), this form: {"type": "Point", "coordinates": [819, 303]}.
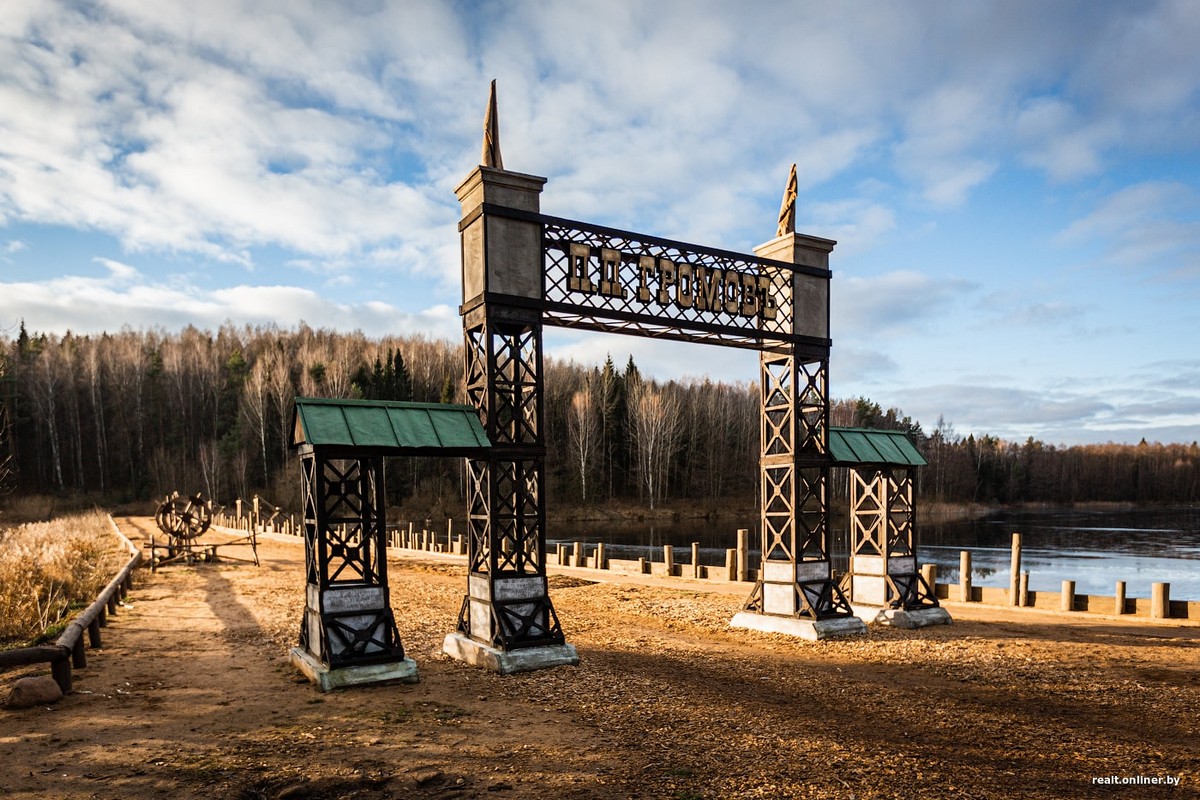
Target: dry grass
{"type": "Point", "coordinates": [46, 567]}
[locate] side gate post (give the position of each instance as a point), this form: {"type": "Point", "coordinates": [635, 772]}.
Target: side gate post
{"type": "Point", "coordinates": [348, 635]}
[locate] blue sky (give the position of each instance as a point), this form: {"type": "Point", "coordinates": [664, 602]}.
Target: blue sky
{"type": "Point", "coordinates": [1014, 186]}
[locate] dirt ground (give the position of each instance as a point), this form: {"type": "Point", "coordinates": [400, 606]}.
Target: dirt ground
{"type": "Point", "coordinates": [192, 696]}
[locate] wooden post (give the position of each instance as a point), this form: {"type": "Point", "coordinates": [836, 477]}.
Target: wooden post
{"type": "Point", "coordinates": [929, 573]}
{"type": "Point", "coordinates": [642, 565]}
{"type": "Point", "coordinates": [601, 560]}
{"type": "Point", "coordinates": [257, 514]}
{"type": "Point", "coordinates": [1160, 600]}
{"type": "Point", "coordinates": [577, 554]}
{"type": "Point", "coordinates": [743, 554]}
{"type": "Point", "coordinates": [102, 617]}
{"type": "Point", "coordinates": [238, 523]}
{"type": "Point", "coordinates": [695, 559]}
{"type": "Point", "coordinates": [449, 534]}
{"type": "Point", "coordinates": [964, 576]}
{"type": "Point", "coordinates": [78, 654]}
{"type": "Point", "coordinates": [112, 604]}
{"type": "Point", "coordinates": [669, 559]}
{"type": "Point", "coordinates": [1023, 590]}
{"type": "Point", "coordinates": [1119, 599]}
{"type": "Point", "coordinates": [1068, 596]}
{"type": "Point", "coordinates": [60, 669]}
{"type": "Point", "coordinates": [94, 633]}
{"type": "Point", "coordinates": [1014, 581]}
{"type": "Point", "coordinates": [731, 564]}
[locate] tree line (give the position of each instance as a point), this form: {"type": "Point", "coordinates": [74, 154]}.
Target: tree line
{"type": "Point", "coordinates": [133, 415]}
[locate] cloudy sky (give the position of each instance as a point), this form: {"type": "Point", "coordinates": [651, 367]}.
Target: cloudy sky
{"type": "Point", "coordinates": [1014, 186]}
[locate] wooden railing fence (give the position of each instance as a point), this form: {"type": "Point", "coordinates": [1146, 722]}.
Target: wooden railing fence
{"type": "Point", "coordinates": [68, 652]}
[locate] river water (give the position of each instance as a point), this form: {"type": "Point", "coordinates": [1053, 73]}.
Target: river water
{"type": "Point", "coordinates": [1094, 548]}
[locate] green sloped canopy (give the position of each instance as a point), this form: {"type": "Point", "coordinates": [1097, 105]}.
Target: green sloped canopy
{"type": "Point", "coordinates": [387, 427]}
{"type": "Point", "coordinates": [859, 446]}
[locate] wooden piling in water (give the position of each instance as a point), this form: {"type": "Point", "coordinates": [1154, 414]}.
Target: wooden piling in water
{"type": "Point", "coordinates": [1068, 596]}
{"type": "Point", "coordinates": [743, 554]}
{"type": "Point", "coordinates": [1160, 600]}
{"type": "Point", "coordinates": [964, 576]}
{"type": "Point", "coordinates": [1014, 580]}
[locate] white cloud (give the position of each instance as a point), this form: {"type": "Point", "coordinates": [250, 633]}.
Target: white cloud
{"type": "Point", "coordinates": [1153, 225]}
{"type": "Point", "coordinates": [123, 297]}
{"type": "Point", "coordinates": [864, 308]}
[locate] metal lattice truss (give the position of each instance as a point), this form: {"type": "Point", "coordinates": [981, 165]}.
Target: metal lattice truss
{"type": "Point", "coordinates": [509, 607]}
{"type": "Point", "coordinates": [883, 560]}
{"type": "Point", "coordinates": [348, 618]}
{"type": "Point", "coordinates": [794, 458]}
{"type": "Point", "coordinates": [602, 279]}
{"type": "Point", "coordinates": [503, 376]}
{"type": "Point", "coordinates": [504, 513]}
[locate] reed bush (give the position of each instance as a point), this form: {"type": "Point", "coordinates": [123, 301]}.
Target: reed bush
{"type": "Point", "coordinates": [48, 567]}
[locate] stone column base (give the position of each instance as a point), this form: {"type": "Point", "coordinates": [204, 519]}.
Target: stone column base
{"type": "Point", "coordinates": [505, 662]}
{"type": "Point", "coordinates": [813, 630]}
{"type": "Point", "coordinates": [899, 618]}
{"type": "Point", "coordinates": [326, 679]}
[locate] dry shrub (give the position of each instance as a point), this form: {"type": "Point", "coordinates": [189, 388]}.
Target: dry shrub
{"type": "Point", "coordinates": [46, 567]}
{"type": "Point", "coordinates": [28, 508]}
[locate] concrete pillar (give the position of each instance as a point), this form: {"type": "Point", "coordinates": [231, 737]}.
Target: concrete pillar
{"type": "Point", "coordinates": [1160, 600]}
{"type": "Point", "coordinates": [695, 559]}
{"type": "Point", "coordinates": [669, 559]}
{"type": "Point", "coordinates": [1119, 599]}
{"type": "Point", "coordinates": [964, 576]}
{"type": "Point", "coordinates": [1068, 596]}
{"type": "Point", "coordinates": [1014, 581]}
{"type": "Point", "coordinates": [743, 554]}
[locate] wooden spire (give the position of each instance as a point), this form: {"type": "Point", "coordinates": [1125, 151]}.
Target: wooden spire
{"type": "Point", "coordinates": [491, 133]}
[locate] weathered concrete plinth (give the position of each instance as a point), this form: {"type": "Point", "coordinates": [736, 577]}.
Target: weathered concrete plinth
{"type": "Point", "coordinates": [813, 630]}
{"type": "Point", "coordinates": [327, 679]}
{"type": "Point", "coordinates": [899, 618]}
{"type": "Point", "coordinates": [504, 662]}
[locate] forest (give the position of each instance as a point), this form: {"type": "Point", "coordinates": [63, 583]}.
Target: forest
{"type": "Point", "coordinates": [132, 415]}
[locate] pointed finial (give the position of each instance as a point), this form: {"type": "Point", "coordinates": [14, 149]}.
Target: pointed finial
{"type": "Point", "coordinates": [491, 133]}
{"type": "Point", "coordinates": [787, 211]}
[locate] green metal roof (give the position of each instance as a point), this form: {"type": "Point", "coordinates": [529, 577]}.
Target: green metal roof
{"type": "Point", "coordinates": [851, 446]}
{"type": "Point", "coordinates": [389, 427]}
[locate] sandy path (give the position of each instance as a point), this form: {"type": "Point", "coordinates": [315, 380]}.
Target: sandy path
{"type": "Point", "coordinates": [192, 696]}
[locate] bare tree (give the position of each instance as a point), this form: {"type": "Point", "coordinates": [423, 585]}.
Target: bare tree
{"type": "Point", "coordinates": [583, 427]}
{"type": "Point", "coordinates": [654, 421]}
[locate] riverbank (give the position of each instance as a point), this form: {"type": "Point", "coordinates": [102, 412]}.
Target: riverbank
{"type": "Point", "coordinates": [192, 697]}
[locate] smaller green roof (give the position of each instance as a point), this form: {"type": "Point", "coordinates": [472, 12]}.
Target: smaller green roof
{"type": "Point", "coordinates": [387, 427]}
{"type": "Point", "coordinates": [860, 446]}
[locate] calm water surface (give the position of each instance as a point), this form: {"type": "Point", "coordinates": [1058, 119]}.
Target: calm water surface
{"type": "Point", "coordinates": [1094, 548]}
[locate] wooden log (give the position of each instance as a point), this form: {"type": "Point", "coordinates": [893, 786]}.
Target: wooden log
{"type": "Point", "coordinates": [1160, 600]}
{"type": "Point", "coordinates": [94, 634]}
{"type": "Point", "coordinates": [78, 654]}
{"type": "Point", "coordinates": [669, 559]}
{"type": "Point", "coordinates": [731, 564]}
{"type": "Point", "coordinates": [60, 670]}
{"type": "Point", "coordinates": [964, 576]}
{"type": "Point", "coordinates": [40, 654]}
{"type": "Point", "coordinates": [1119, 599]}
{"type": "Point", "coordinates": [1068, 596]}
{"type": "Point", "coordinates": [743, 554]}
{"type": "Point", "coordinates": [1023, 589]}
{"type": "Point", "coordinates": [695, 559]}
{"type": "Point", "coordinates": [601, 559]}
{"type": "Point", "coordinates": [1014, 580]}
{"type": "Point", "coordinates": [929, 573]}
